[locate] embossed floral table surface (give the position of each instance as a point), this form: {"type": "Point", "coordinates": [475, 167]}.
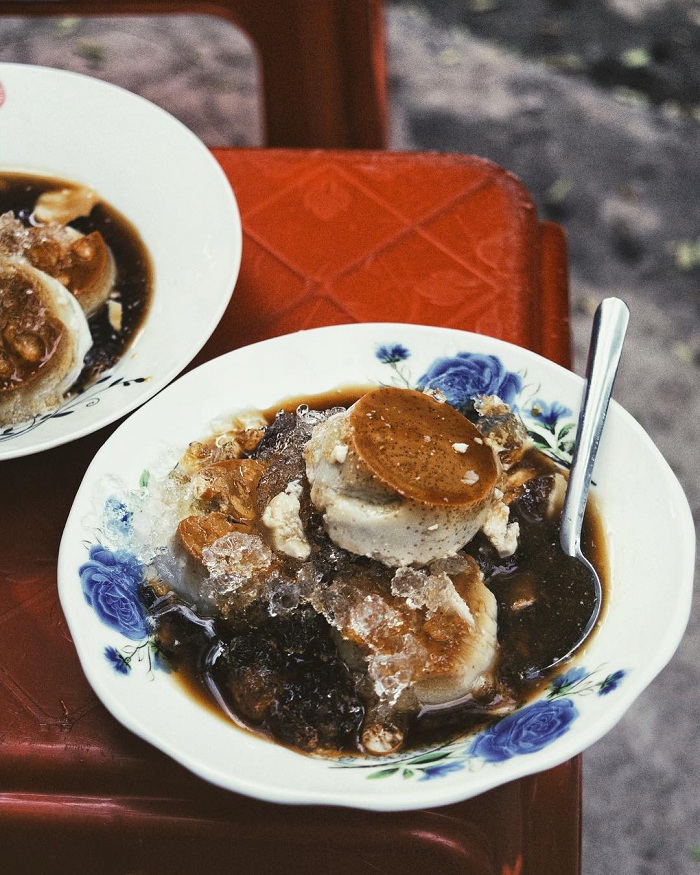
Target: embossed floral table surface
{"type": "Point", "coordinates": [329, 238]}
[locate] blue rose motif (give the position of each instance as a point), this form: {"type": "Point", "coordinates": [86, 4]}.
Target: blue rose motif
{"type": "Point", "coordinates": [467, 374]}
{"type": "Point", "coordinates": [525, 731]}
{"type": "Point", "coordinates": [111, 584]}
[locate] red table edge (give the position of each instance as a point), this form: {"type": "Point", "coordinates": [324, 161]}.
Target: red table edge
{"type": "Point", "coordinates": [556, 332]}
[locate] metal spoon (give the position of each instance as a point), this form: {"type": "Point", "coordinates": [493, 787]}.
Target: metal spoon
{"type": "Point", "coordinates": [607, 336]}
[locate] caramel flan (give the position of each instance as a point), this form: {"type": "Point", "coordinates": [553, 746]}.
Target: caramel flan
{"type": "Point", "coordinates": [402, 477]}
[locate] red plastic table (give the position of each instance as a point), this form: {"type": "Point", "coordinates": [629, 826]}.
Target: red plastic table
{"type": "Point", "coordinates": [329, 238]}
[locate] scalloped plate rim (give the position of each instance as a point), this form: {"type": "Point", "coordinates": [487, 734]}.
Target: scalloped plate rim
{"type": "Point", "coordinates": [432, 793]}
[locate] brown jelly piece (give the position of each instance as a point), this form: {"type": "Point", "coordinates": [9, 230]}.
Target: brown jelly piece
{"type": "Point", "coordinates": [231, 484]}
{"type": "Point", "coordinates": [422, 448]}
{"type": "Point", "coordinates": [197, 532]}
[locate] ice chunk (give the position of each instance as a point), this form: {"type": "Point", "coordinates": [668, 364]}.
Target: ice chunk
{"type": "Point", "coordinates": [392, 673]}
{"type": "Point", "coordinates": [283, 597]}
{"type": "Point", "coordinates": [237, 554]}
{"type": "Point", "coordinates": [230, 486]}
{"type": "Point", "coordinates": [239, 565]}
{"type": "Point", "coordinates": [433, 591]}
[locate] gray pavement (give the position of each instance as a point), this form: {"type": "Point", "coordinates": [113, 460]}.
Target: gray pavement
{"type": "Point", "coordinates": [613, 159]}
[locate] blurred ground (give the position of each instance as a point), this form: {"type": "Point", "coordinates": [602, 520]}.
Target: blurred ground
{"type": "Point", "coordinates": [596, 107]}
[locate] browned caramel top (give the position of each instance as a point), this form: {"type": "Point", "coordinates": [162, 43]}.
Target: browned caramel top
{"type": "Point", "coordinates": [29, 331]}
{"type": "Point", "coordinates": [421, 448]}
{"type": "Point", "coordinates": [79, 266]}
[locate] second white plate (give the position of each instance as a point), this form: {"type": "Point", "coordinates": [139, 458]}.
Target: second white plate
{"type": "Point", "coordinates": [160, 177]}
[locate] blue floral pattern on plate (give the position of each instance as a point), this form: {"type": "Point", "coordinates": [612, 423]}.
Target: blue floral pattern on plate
{"type": "Point", "coordinates": [87, 397]}
{"type": "Point", "coordinates": [111, 584]}
{"type": "Point", "coordinates": [462, 376]}
{"type": "Point", "coordinates": [111, 580]}
{"type": "Point", "coordinates": [525, 731]}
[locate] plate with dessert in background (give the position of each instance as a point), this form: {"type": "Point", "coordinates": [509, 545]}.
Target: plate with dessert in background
{"type": "Point", "coordinates": [120, 244]}
{"type": "Point", "coordinates": [324, 568]}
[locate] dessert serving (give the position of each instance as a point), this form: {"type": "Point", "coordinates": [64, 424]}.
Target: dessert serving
{"type": "Point", "coordinates": [362, 578]}
{"type": "Point", "coordinates": [348, 596]}
{"type": "Point", "coordinates": [75, 284]}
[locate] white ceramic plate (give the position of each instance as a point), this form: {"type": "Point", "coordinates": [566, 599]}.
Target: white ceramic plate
{"type": "Point", "coordinates": [157, 174]}
{"type": "Point", "coordinates": [647, 520]}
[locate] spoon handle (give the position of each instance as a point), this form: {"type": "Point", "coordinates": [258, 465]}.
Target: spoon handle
{"type": "Point", "coordinates": [607, 336]}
